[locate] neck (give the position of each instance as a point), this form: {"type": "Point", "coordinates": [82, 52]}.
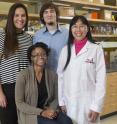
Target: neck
{"type": "Point", "coordinates": [80, 41]}
{"type": "Point", "coordinates": [19, 31]}
{"type": "Point", "coordinates": [51, 27]}
{"type": "Point", "coordinates": [38, 72]}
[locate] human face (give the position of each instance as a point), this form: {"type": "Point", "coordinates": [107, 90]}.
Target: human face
{"type": "Point", "coordinates": [39, 57]}
{"type": "Point", "coordinates": [79, 30]}
{"type": "Point", "coordinates": [49, 16]}
{"type": "Point", "coordinates": [19, 18]}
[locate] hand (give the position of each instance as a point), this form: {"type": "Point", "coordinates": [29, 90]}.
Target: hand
{"type": "Point", "coordinates": [49, 113]}
{"type": "Point", "coordinates": [93, 116]}
{"type": "Point", "coordinates": [3, 101]}
{"type": "Point", "coordinates": [63, 109]}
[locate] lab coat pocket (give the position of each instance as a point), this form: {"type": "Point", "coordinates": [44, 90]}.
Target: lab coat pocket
{"type": "Point", "coordinates": [90, 63]}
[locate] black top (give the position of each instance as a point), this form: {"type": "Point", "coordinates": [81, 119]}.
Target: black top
{"type": "Point", "coordinates": [42, 92]}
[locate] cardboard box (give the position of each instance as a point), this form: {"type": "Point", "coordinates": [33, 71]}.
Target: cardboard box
{"type": "Point", "coordinates": [106, 14]}
{"type": "Point", "coordinates": [66, 11]}
{"type": "Point", "coordinates": [81, 12]}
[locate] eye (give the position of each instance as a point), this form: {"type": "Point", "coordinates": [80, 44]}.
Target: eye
{"type": "Point", "coordinates": [81, 26]}
{"type": "Point", "coordinates": [23, 15]}
{"type": "Point", "coordinates": [52, 11]}
{"type": "Point", "coordinates": [16, 15]}
{"type": "Point", "coordinates": [45, 12]}
{"type": "Point", "coordinates": [39, 55]}
{"type": "Point", "coordinates": [74, 26]}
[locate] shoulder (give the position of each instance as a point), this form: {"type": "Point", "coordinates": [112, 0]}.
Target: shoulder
{"type": "Point", "coordinates": [63, 29]}
{"type": "Point", "coordinates": [95, 45]}
{"type": "Point", "coordinates": [2, 38]}
{"type": "Point", "coordinates": [25, 71]}
{"type": "Point", "coordinates": [40, 31]}
{"type": "Point", "coordinates": [2, 34]}
{"type": "Point", "coordinates": [64, 49]}
{"type": "Point", "coordinates": [95, 48]}
{"type": "Point", "coordinates": [26, 35]}
{"type": "Point", "coordinates": [51, 73]}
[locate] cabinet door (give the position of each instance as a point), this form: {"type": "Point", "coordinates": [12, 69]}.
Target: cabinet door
{"type": "Point", "coordinates": [110, 104]}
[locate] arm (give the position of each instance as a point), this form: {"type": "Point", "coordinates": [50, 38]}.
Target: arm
{"type": "Point", "coordinates": [50, 110]}
{"type": "Point", "coordinates": [20, 97]}
{"type": "Point", "coordinates": [36, 38]}
{"type": "Point", "coordinates": [3, 101]}
{"type": "Point", "coordinates": [60, 70]}
{"type": "Point", "coordinates": [98, 100]}
{"type": "Point", "coordinates": [54, 103]}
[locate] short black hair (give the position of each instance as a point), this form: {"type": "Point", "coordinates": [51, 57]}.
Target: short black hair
{"type": "Point", "coordinates": [48, 5]}
{"type": "Point", "coordinates": [37, 45]}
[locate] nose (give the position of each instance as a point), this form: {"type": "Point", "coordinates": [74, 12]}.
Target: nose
{"type": "Point", "coordinates": [20, 17]}
{"type": "Point", "coordinates": [40, 56]}
{"type": "Point", "coordinates": [77, 28]}
{"type": "Point", "coordinates": [49, 13]}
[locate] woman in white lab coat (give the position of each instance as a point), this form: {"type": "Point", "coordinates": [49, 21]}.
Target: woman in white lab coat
{"type": "Point", "coordinates": [81, 75]}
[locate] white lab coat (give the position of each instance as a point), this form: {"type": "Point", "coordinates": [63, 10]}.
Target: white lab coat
{"type": "Point", "coordinates": [81, 86]}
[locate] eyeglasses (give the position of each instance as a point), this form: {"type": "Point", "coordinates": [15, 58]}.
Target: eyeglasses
{"type": "Point", "coordinates": [39, 55]}
{"type": "Point", "coordinates": [81, 27]}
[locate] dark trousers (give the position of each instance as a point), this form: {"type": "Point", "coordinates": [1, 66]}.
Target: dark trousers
{"type": "Point", "coordinates": [8, 115]}
{"type": "Point", "coordinates": [61, 119]}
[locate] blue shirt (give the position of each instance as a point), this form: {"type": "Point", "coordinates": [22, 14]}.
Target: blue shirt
{"type": "Point", "coordinates": [55, 42]}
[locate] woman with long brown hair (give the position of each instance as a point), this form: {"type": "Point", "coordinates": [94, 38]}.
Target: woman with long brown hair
{"type": "Point", "coordinates": [14, 43]}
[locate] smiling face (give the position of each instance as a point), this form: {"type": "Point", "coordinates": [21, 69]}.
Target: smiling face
{"type": "Point", "coordinates": [39, 57]}
{"type": "Point", "coordinates": [79, 30]}
{"type": "Point", "coordinates": [19, 18]}
{"type": "Point", "coordinates": [49, 16]}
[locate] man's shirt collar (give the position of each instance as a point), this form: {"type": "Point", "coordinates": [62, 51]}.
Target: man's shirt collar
{"type": "Point", "coordinates": [46, 30]}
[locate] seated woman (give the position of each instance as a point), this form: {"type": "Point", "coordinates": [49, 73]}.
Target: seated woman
{"type": "Point", "coordinates": [36, 91]}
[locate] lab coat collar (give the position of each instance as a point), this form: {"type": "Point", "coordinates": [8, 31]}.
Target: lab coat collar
{"type": "Point", "coordinates": [83, 50]}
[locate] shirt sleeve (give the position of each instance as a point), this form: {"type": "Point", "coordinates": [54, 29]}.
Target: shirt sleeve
{"type": "Point", "coordinates": [35, 38]}
{"type": "Point", "coordinates": [98, 100]}
{"type": "Point", "coordinates": [1, 50]}
{"type": "Point", "coordinates": [60, 71]}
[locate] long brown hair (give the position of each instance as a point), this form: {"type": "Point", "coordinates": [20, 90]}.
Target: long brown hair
{"type": "Point", "coordinates": [11, 41]}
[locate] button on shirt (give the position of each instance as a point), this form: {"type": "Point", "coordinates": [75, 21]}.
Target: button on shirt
{"type": "Point", "coordinates": [55, 41]}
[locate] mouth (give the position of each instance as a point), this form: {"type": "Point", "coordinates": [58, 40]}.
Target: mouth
{"type": "Point", "coordinates": [20, 23]}
{"type": "Point", "coordinates": [78, 33]}
{"type": "Point", "coordinates": [41, 61]}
